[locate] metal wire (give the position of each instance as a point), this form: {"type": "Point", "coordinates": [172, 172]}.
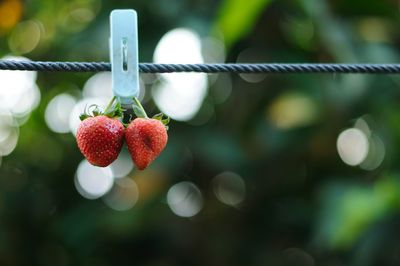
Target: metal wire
{"type": "Point", "coordinates": [205, 68]}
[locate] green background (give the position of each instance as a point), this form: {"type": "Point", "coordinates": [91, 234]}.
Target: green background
{"type": "Point", "coordinates": [302, 205]}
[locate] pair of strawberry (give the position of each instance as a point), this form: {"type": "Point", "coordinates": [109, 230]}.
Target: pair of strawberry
{"type": "Point", "coordinates": [100, 136]}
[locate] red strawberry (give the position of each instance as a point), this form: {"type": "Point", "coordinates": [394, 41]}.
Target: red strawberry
{"type": "Point", "coordinates": [100, 139]}
{"type": "Point", "coordinates": [146, 138]}
{"type": "Point", "coordinates": [100, 136]}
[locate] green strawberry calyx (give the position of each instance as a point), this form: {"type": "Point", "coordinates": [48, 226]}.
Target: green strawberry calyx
{"type": "Point", "coordinates": [160, 117]}
{"type": "Point", "coordinates": [141, 113]}
{"type": "Point", "coordinates": [113, 110]}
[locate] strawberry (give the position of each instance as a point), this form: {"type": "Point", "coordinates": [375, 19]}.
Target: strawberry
{"type": "Point", "coordinates": [146, 137]}
{"type": "Point", "coordinates": [100, 137]}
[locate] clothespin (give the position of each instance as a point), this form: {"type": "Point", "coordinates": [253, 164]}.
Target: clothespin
{"type": "Point", "coordinates": [124, 55]}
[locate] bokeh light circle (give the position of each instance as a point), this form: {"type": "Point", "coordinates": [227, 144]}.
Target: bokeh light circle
{"type": "Point", "coordinates": [9, 133]}
{"type": "Point", "coordinates": [123, 196]}
{"type": "Point", "coordinates": [180, 95]}
{"type": "Point", "coordinates": [352, 145]}
{"type": "Point", "coordinates": [93, 182]}
{"type": "Point", "coordinates": [123, 165]}
{"type": "Point", "coordinates": [19, 93]}
{"type": "Point", "coordinates": [185, 199]}
{"type": "Point", "coordinates": [229, 188]}
{"type": "Point", "coordinates": [58, 111]}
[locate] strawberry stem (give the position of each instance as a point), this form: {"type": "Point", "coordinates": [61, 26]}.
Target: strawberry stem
{"type": "Point", "coordinates": [110, 104]}
{"type": "Point", "coordinates": [112, 110]}
{"type": "Point", "coordinates": [138, 109]}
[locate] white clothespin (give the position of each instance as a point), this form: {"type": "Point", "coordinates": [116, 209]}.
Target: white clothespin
{"type": "Point", "coordinates": [124, 55]}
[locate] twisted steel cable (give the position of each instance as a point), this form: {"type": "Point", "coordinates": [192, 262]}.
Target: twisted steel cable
{"type": "Point", "coordinates": [205, 68]}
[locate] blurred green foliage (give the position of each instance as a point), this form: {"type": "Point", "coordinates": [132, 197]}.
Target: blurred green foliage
{"type": "Point", "coordinates": [237, 18]}
{"type": "Point", "coordinates": [303, 204]}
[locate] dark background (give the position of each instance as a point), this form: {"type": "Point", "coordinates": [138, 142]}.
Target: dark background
{"type": "Point", "coordinates": [276, 169]}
